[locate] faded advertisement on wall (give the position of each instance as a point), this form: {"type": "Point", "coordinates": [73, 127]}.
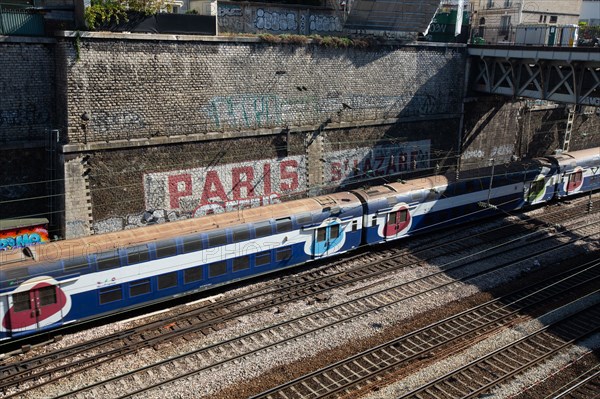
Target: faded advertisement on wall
{"type": "Point", "coordinates": [346, 166]}
{"type": "Point", "coordinates": [223, 188]}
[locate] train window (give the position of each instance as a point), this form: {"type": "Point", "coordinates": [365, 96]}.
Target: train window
{"type": "Point", "coordinates": [241, 233]}
{"type": "Point", "coordinates": [168, 280]}
{"type": "Point", "coordinates": [108, 260]}
{"type": "Point", "coordinates": [192, 274]}
{"type": "Point", "coordinates": [263, 258]}
{"type": "Point", "coordinates": [416, 195]}
{"type": "Point", "coordinates": [374, 220]}
{"type": "Point", "coordinates": [402, 216]}
{"type": "Point", "coordinates": [110, 294]}
{"type": "Point", "coordinates": [304, 219]}
{"type": "Point", "coordinates": [21, 301]}
{"type": "Point", "coordinates": [75, 265]}
{"type": "Point", "coordinates": [192, 244]}
{"type": "Point", "coordinates": [217, 269]}
{"type": "Point", "coordinates": [262, 229]}
{"type": "Point", "coordinates": [354, 225]}
{"type": "Point", "coordinates": [47, 295]}
{"type": "Point", "coordinates": [335, 231]}
{"type": "Point", "coordinates": [283, 225]}
{"type": "Point", "coordinates": [241, 263]}
{"type": "Point", "coordinates": [321, 234]}
{"type": "Point", "coordinates": [576, 177]}
{"type": "Point", "coordinates": [137, 254]}
{"type": "Point", "coordinates": [139, 287]}
{"type": "Point", "coordinates": [283, 254]}
{"type": "Point", "coordinates": [165, 249]}
{"type": "Point", "coordinates": [17, 273]}
{"type": "Point", "coordinates": [392, 218]}
{"type": "Point", "coordinates": [217, 238]}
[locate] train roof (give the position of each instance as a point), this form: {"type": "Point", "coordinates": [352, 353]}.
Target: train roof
{"type": "Point", "coordinates": [579, 158]}
{"type": "Point", "coordinates": [386, 190]}
{"type": "Point", "coordinates": [110, 241]}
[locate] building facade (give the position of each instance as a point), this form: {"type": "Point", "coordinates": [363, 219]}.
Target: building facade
{"type": "Point", "coordinates": [495, 20]}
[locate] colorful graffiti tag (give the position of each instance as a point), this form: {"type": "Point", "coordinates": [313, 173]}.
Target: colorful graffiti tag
{"type": "Point", "coordinates": [23, 237]}
{"type": "Point", "coordinates": [202, 191]}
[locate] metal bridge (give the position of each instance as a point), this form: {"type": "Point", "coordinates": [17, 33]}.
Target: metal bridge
{"type": "Point", "coordinates": [569, 75]}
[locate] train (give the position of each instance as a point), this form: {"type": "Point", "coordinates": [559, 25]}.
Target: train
{"type": "Point", "coordinates": [46, 286]}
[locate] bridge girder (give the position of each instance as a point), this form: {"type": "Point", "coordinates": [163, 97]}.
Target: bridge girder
{"type": "Point", "coordinates": [558, 79]}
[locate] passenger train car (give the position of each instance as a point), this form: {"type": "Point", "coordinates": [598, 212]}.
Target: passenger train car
{"type": "Point", "coordinates": [50, 285]}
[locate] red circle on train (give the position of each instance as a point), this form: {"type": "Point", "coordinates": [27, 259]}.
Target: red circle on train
{"type": "Point", "coordinates": [37, 310]}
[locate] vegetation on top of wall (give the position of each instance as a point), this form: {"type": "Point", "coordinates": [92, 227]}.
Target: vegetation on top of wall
{"type": "Point", "coordinates": [325, 41]}
{"type": "Point", "coordinates": [106, 12]}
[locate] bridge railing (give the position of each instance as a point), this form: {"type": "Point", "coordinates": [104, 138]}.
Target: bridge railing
{"type": "Point", "coordinates": [528, 35]}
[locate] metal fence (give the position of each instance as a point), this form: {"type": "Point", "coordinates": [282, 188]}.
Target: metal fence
{"type": "Point", "coordinates": [21, 22]}
{"type": "Point", "coordinates": [527, 35]}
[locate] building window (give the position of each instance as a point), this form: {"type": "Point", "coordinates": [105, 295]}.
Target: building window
{"type": "Point", "coordinates": [553, 19]}
{"type": "Point", "coordinates": [505, 25]}
{"type": "Point", "coordinates": [490, 4]}
{"type": "Point", "coordinates": [507, 3]}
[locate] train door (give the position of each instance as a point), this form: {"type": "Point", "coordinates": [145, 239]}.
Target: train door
{"type": "Point", "coordinates": [575, 182]}
{"type": "Point", "coordinates": [396, 222]}
{"type": "Point", "coordinates": [326, 238]}
{"type": "Point", "coordinates": [30, 307]}
{"type": "Point", "coordinates": [534, 192]}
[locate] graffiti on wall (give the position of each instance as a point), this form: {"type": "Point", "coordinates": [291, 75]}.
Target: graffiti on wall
{"type": "Point", "coordinates": [276, 21]}
{"type": "Point", "coordinates": [244, 111]}
{"type": "Point", "coordinates": [202, 191]}
{"type": "Point", "coordinates": [23, 116]}
{"type": "Point", "coordinates": [123, 120]}
{"type": "Point", "coordinates": [230, 17]}
{"type": "Point", "coordinates": [325, 23]}
{"type": "Point", "coordinates": [255, 111]}
{"type": "Point", "coordinates": [23, 237]}
{"type": "Point", "coordinates": [363, 163]}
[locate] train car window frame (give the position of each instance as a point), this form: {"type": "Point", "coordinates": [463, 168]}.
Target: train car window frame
{"type": "Point", "coordinates": [111, 293]}
{"type": "Point", "coordinates": [191, 273]}
{"type": "Point", "coordinates": [335, 231]}
{"type": "Point", "coordinates": [263, 229]}
{"type": "Point", "coordinates": [321, 234]}
{"type": "Point", "coordinates": [374, 220]}
{"type": "Point", "coordinates": [283, 254]}
{"type": "Point", "coordinates": [354, 225]}
{"type": "Point", "coordinates": [47, 295]}
{"type": "Point", "coordinates": [220, 267]}
{"type": "Point", "coordinates": [240, 233]}
{"type": "Point", "coordinates": [304, 219]}
{"type": "Point", "coordinates": [18, 304]}
{"type": "Point", "coordinates": [138, 254]}
{"type": "Point", "coordinates": [217, 238]}
{"type": "Point", "coordinates": [140, 287]}
{"type": "Point", "coordinates": [166, 249]}
{"type": "Point", "coordinates": [75, 265]}
{"type": "Point", "coordinates": [262, 258]}
{"type": "Point", "coordinates": [576, 177]}
{"type": "Point", "coordinates": [241, 263]}
{"type": "Point", "coordinates": [111, 261]}
{"type": "Point", "coordinates": [283, 225]}
{"type": "Point", "coordinates": [192, 244]}
{"type": "Point", "coordinates": [167, 280]}
{"type": "Point", "coordinates": [17, 273]}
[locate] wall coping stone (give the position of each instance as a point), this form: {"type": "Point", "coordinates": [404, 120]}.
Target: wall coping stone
{"type": "Point", "coordinates": [218, 39]}
{"type": "Point", "coordinates": [27, 39]}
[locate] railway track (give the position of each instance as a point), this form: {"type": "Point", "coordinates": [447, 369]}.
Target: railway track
{"type": "Point", "coordinates": [66, 362]}
{"type": "Point", "coordinates": [457, 331]}
{"type": "Point", "coordinates": [586, 386]}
